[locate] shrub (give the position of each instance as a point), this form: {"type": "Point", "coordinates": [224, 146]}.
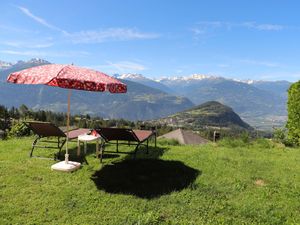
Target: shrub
{"type": "Point", "coordinates": [279, 134]}
{"type": "Point", "coordinates": [245, 137]}
{"type": "Point", "coordinates": [19, 130]}
{"type": "Point", "coordinates": [232, 142]}
{"type": "Point", "coordinates": [263, 143]}
{"type": "Point", "coordinates": [293, 106]}
{"type": "Point", "coordinates": [165, 141]}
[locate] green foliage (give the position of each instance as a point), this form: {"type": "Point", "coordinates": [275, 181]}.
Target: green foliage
{"type": "Point", "coordinates": [19, 130]}
{"type": "Point", "coordinates": [245, 137]}
{"type": "Point", "coordinates": [279, 134]}
{"type": "Point", "coordinates": [244, 141]}
{"type": "Point", "coordinates": [263, 143]}
{"type": "Point", "coordinates": [165, 141]}
{"type": "Point", "coordinates": [59, 119]}
{"type": "Point", "coordinates": [232, 142]}
{"type": "Point", "coordinates": [293, 123]}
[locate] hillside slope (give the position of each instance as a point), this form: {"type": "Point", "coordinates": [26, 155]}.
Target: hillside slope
{"type": "Point", "coordinates": [209, 114]}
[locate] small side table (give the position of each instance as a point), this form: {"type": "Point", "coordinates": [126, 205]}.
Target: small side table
{"type": "Point", "coordinates": [87, 138]}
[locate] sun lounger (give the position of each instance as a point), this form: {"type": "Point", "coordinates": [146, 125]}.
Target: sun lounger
{"type": "Point", "coordinates": [124, 136]}
{"type": "Point", "coordinates": [46, 130]}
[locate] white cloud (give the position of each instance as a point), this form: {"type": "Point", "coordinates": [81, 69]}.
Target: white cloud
{"type": "Point", "coordinates": [204, 27]}
{"type": "Point", "coordinates": [21, 44]}
{"type": "Point", "coordinates": [120, 67]}
{"type": "Point", "coordinates": [93, 36]}
{"type": "Point", "coordinates": [293, 77]}
{"type": "Point", "coordinates": [46, 54]}
{"type": "Point", "coordinates": [260, 63]}
{"type": "Point", "coordinates": [263, 27]}
{"type": "Point", "coordinates": [222, 65]}
{"type": "Point", "coordinates": [39, 19]}
{"type": "Point", "coordinates": [110, 34]}
{"type": "Point", "coordinates": [24, 53]}
{"type": "Point", "coordinates": [179, 71]}
{"type": "Point", "coordinates": [6, 28]}
{"type": "Point", "coordinates": [127, 66]}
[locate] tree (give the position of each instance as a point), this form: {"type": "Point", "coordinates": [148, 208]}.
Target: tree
{"type": "Point", "coordinates": [24, 111]}
{"type": "Point", "coordinates": [3, 111]}
{"type": "Point", "coordinates": [293, 105]}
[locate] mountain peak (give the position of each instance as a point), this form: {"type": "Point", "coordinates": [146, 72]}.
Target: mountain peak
{"type": "Point", "coordinates": [192, 77]}
{"type": "Point", "coordinates": [197, 76]}
{"type": "Point", "coordinates": [38, 61]}
{"type": "Point", "coordinates": [131, 76]}
{"type": "Point", "coordinates": [209, 114]}
{"type": "Point", "coordinates": [4, 65]}
{"type": "Point", "coordinates": [35, 61]}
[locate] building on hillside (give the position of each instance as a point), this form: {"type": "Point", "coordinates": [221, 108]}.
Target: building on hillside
{"type": "Point", "coordinates": [185, 137]}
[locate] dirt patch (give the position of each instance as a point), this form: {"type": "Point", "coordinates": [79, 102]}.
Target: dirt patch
{"type": "Point", "coordinates": [260, 182]}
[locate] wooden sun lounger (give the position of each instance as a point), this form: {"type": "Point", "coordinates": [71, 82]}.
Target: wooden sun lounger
{"type": "Point", "coordinates": [44, 130]}
{"type": "Point", "coordinates": [126, 136]}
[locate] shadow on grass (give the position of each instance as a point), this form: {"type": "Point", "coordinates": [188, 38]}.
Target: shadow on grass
{"type": "Point", "coordinates": [144, 178]}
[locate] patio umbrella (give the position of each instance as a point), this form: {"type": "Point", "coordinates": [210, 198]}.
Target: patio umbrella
{"type": "Point", "coordinates": [70, 77]}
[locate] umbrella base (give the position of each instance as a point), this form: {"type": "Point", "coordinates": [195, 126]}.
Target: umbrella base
{"type": "Point", "coordinates": [66, 167]}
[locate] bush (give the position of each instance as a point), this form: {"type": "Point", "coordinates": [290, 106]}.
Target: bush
{"type": "Point", "coordinates": [165, 141]}
{"type": "Point", "coordinates": [245, 137]}
{"type": "Point", "coordinates": [293, 123]}
{"type": "Point", "coordinates": [263, 143]}
{"type": "Point", "coordinates": [19, 130]}
{"type": "Point", "coordinates": [232, 142]}
{"type": "Point", "coordinates": [279, 134]}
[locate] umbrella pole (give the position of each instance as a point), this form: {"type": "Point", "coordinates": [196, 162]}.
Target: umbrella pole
{"type": "Point", "coordinates": [68, 126]}
{"type": "Point", "coordinates": [67, 166]}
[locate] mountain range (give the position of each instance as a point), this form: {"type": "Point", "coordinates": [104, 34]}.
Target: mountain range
{"type": "Point", "coordinates": [139, 103]}
{"type": "Point", "coordinates": [8, 67]}
{"type": "Point", "coordinates": [262, 104]}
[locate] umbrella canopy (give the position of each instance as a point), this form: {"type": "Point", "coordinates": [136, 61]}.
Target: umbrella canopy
{"type": "Point", "coordinates": [68, 76]}
{"type": "Point", "coordinates": [71, 77]}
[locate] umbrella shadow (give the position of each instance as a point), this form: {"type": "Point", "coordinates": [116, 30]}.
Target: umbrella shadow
{"type": "Point", "coordinates": [145, 178]}
{"type": "Point", "coordinates": [152, 153]}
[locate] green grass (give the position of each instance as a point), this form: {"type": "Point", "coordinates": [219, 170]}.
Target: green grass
{"type": "Point", "coordinates": [213, 184]}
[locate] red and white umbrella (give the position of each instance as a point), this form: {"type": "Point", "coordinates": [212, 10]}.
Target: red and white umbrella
{"type": "Point", "coordinates": [70, 77]}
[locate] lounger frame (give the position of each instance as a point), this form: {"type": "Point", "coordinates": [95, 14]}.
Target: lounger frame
{"type": "Point", "coordinates": [123, 136]}
{"type": "Point", "coordinates": [48, 136]}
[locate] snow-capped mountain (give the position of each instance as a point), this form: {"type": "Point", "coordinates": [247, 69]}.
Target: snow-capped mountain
{"type": "Point", "coordinates": [34, 61]}
{"type": "Point", "coordinates": [19, 65]}
{"type": "Point", "coordinates": [131, 76]}
{"type": "Point", "coordinates": [139, 103]}
{"type": "Point", "coordinates": [254, 100]}
{"type": "Point", "coordinates": [139, 78]}
{"type": "Point", "coordinates": [258, 97]}
{"type": "Point", "coordinates": [192, 77]}
{"type": "Point", "coordinates": [5, 65]}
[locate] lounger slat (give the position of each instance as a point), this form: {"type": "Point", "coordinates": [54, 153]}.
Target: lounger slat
{"type": "Point", "coordinates": [44, 130]}
{"type": "Point", "coordinates": [134, 137]}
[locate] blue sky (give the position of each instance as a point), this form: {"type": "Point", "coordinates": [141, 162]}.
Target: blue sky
{"type": "Point", "coordinates": [235, 39]}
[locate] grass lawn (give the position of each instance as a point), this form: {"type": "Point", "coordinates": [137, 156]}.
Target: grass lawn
{"type": "Point", "coordinates": [210, 184]}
